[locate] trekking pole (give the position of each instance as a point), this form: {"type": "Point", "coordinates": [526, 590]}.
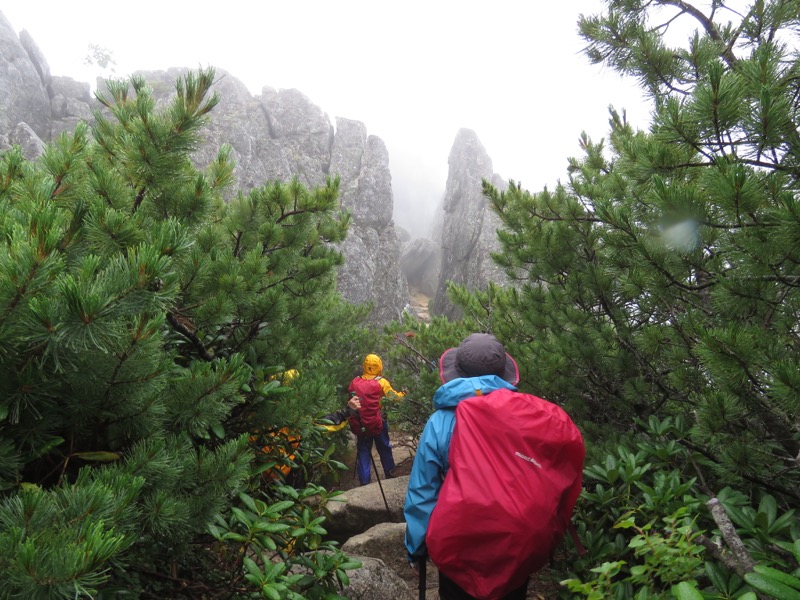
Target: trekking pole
{"type": "Point", "coordinates": [423, 584]}
{"type": "Point", "coordinates": [358, 417]}
{"type": "Point", "coordinates": [380, 485]}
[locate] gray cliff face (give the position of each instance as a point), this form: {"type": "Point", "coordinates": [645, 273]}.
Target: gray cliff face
{"type": "Point", "coordinates": [468, 226]}
{"type": "Point", "coordinates": [70, 102]}
{"type": "Point", "coordinates": [372, 249]}
{"type": "Point", "coordinates": [281, 134]}
{"type": "Point", "coordinates": [276, 135]}
{"type": "Point", "coordinates": [23, 95]}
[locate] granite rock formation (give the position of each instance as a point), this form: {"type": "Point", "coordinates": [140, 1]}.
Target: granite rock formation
{"type": "Point", "coordinates": [278, 134]}
{"type": "Point", "coordinates": [468, 227]}
{"type": "Point", "coordinates": [23, 93]}
{"type": "Point", "coordinates": [375, 581]}
{"type": "Point", "coordinates": [363, 507]}
{"type": "Point", "coordinates": [385, 542]}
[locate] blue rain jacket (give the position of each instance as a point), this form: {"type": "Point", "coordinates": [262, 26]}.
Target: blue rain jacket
{"type": "Point", "coordinates": [431, 462]}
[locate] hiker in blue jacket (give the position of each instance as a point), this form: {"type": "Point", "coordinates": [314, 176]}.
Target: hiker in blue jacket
{"type": "Point", "coordinates": [478, 366]}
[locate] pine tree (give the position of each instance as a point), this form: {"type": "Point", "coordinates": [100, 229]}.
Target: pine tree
{"type": "Point", "coordinates": [662, 277]}
{"type": "Point", "coordinates": [140, 318]}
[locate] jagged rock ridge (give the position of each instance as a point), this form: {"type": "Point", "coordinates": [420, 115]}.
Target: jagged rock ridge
{"type": "Point", "coordinates": [275, 135]}
{"type": "Point", "coordinates": [468, 227]}
{"type": "Point", "coordinates": [280, 134]}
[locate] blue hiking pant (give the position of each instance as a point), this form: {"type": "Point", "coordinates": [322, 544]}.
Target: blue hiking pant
{"type": "Point", "coordinates": [364, 454]}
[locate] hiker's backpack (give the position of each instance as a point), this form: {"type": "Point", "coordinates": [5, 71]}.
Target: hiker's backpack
{"type": "Point", "coordinates": [516, 464]}
{"type": "Point", "coordinates": [368, 422]}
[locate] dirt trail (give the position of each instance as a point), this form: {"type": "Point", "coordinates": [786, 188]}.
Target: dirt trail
{"type": "Point", "coordinates": [419, 302]}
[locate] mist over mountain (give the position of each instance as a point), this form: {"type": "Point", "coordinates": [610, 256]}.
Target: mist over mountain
{"type": "Point", "coordinates": [280, 134]}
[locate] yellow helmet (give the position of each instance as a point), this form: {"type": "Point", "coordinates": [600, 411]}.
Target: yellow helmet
{"type": "Point", "coordinates": [372, 365]}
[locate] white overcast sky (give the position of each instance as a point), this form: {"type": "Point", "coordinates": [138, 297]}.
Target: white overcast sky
{"type": "Point", "coordinates": [414, 72]}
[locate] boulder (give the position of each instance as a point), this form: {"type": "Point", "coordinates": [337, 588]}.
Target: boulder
{"type": "Point", "coordinates": [363, 507]}
{"type": "Point", "coordinates": [23, 136]}
{"type": "Point", "coordinates": [375, 581]}
{"type": "Point", "coordinates": [383, 541]}
{"type": "Point", "coordinates": [386, 542]}
{"type": "Point", "coordinates": [303, 132]}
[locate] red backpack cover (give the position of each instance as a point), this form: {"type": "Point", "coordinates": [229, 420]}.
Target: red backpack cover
{"type": "Point", "coordinates": [516, 466]}
{"type": "Point", "coordinates": [369, 421]}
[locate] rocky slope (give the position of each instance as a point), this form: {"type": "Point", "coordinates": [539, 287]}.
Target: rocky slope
{"type": "Point", "coordinates": [280, 134]}
{"type": "Point", "coordinates": [275, 135]}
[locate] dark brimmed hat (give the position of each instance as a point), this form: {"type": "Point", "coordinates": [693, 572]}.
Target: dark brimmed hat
{"type": "Point", "coordinates": [478, 354]}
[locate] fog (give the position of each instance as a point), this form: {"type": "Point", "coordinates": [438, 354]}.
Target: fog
{"type": "Point", "coordinates": [413, 72]}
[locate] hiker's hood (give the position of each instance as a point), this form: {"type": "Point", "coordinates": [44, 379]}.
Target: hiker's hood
{"type": "Point", "coordinates": [456, 390]}
{"type": "Point", "coordinates": [478, 354]}
{"type": "Point", "coordinates": [372, 365]}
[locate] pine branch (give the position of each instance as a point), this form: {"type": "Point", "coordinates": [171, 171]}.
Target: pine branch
{"type": "Point", "coordinates": [771, 485]}
{"type": "Point", "coordinates": [186, 585]}
{"type": "Point", "coordinates": [189, 335]}
{"type": "Point", "coordinates": [138, 201]}
{"type": "Point", "coordinates": [21, 291]}
{"type": "Point", "coordinates": [237, 247]}
{"type": "Point", "coordinates": [719, 554]}
{"type": "Point", "coordinates": [708, 25]}
{"type": "Point", "coordinates": [405, 344]}
{"type": "Point", "coordinates": [253, 330]}
{"type": "Point", "coordinates": [740, 558]}
{"type": "Point", "coordinates": [121, 360]}
{"type": "Point", "coordinates": [765, 483]}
